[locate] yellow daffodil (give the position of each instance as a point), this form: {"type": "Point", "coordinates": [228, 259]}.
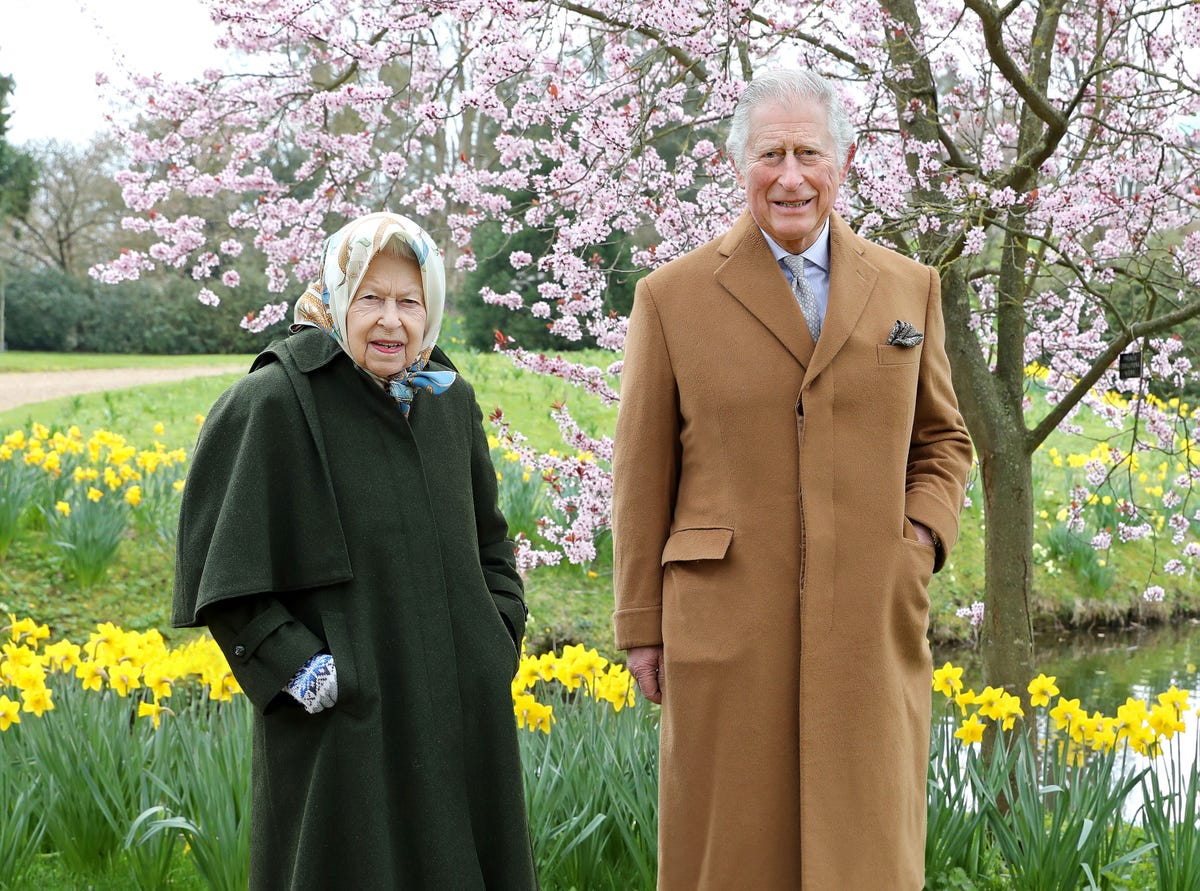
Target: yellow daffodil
{"type": "Point", "coordinates": [1064, 712]}
{"type": "Point", "coordinates": [964, 700]}
{"type": "Point", "coordinates": [10, 713]}
{"type": "Point", "coordinates": [531, 714]}
{"type": "Point", "coordinates": [1009, 709]}
{"type": "Point", "coordinates": [91, 675]}
{"type": "Point", "coordinates": [947, 680]}
{"type": "Point", "coordinates": [989, 702]}
{"type": "Point", "coordinates": [133, 495]}
{"type": "Point", "coordinates": [1176, 698]}
{"type": "Point", "coordinates": [124, 677]}
{"type": "Point", "coordinates": [971, 731]}
{"type": "Point", "coordinates": [154, 711]}
{"type": "Point", "coordinates": [1041, 689]}
{"type": "Point", "coordinates": [527, 673]}
{"type": "Point", "coordinates": [37, 701]}
{"type": "Point", "coordinates": [19, 628]}
{"type": "Point", "coordinates": [157, 676]}
{"type": "Point", "coordinates": [159, 429]}
{"type": "Point", "coordinates": [63, 508]}
{"type": "Point", "coordinates": [94, 494]}
{"type": "Point", "coordinates": [63, 655]}
{"type": "Point", "coordinates": [1165, 721]}
{"type": "Point", "coordinates": [1104, 739]}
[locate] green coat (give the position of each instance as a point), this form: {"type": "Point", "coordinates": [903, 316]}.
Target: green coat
{"type": "Point", "coordinates": [317, 517]}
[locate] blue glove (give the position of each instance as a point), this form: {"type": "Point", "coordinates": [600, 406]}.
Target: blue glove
{"type": "Point", "coordinates": [315, 685]}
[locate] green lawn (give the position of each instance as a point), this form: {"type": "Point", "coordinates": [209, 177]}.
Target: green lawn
{"type": "Point", "coordinates": [30, 361]}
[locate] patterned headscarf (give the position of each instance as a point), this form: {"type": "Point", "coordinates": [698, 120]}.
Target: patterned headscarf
{"type": "Point", "coordinates": [344, 261]}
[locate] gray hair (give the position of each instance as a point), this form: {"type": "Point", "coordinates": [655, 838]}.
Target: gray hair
{"type": "Point", "coordinates": [783, 85]}
{"type": "Point", "coordinates": [397, 247]}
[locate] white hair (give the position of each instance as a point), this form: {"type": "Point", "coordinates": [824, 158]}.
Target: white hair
{"type": "Point", "coordinates": [781, 86]}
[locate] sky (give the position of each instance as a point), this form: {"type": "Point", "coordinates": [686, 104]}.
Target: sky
{"type": "Point", "coordinates": [53, 49]}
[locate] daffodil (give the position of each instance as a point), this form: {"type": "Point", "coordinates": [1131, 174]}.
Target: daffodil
{"type": "Point", "coordinates": [63, 508]}
{"type": "Point", "coordinates": [91, 675]}
{"type": "Point", "coordinates": [124, 677]}
{"type": "Point", "coordinates": [1009, 709]}
{"type": "Point", "coordinates": [10, 713]}
{"type": "Point", "coordinates": [964, 700]}
{"type": "Point", "coordinates": [1064, 711]}
{"type": "Point", "coordinates": [971, 731]}
{"type": "Point", "coordinates": [947, 680]}
{"type": "Point", "coordinates": [1165, 721]}
{"type": "Point", "coordinates": [38, 700]}
{"type": "Point", "coordinates": [528, 673]}
{"type": "Point", "coordinates": [63, 655]}
{"type": "Point", "coordinates": [1041, 689]}
{"type": "Point", "coordinates": [154, 711]}
{"type": "Point", "coordinates": [1176, 698]}
{"type": "Point", "coordinates": [532, 714]}
{"type": "Point", "coordinates": [989, 702]}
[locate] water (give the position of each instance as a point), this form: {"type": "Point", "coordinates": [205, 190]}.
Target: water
{"type": "Point", "coordinates": [1103, 668]}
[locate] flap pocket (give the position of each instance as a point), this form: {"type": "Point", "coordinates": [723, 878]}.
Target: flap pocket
{"type": "Point", "coordinates": [889, 354]}
{"type": "Point", "coordinates": [697, 544]}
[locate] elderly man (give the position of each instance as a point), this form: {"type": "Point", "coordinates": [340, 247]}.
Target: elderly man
{"type": "Point", "coordinates": [789, 469]}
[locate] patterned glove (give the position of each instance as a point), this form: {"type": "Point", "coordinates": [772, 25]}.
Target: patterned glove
{"type": "Point", "coordinates": [315, 685]}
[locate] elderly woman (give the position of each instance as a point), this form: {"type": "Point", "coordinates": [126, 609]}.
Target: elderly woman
{"type": "Point", "coordinates": [341, 538]}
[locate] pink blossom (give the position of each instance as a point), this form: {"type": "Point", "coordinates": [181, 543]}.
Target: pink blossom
{"type": "Point", "coordinates": [974, 613]}
{"type": "Point", "coordinates": [271, 313]}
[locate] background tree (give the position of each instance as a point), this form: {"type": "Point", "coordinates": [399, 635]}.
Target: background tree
{"type": "Point", "coordinates": [18, 174]}
{"type": "Point", "coordinates": [1037, 153]}
{"type": "Point", "coordinates": [73, 217]}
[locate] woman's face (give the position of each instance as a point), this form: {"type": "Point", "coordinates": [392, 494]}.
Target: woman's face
{"type": "Point", "coordinates": [385, 322]}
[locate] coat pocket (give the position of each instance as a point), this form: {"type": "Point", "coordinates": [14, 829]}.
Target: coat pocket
{"type": "Point", "coordinates": [338, 639]}
{"type": "Point", "coordinates": [888, 354]}
{"type": "Point", "coordinates": [708, 543]}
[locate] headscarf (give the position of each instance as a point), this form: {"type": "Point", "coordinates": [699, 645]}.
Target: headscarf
{"type": "Point", "coordinates": [345, 257]}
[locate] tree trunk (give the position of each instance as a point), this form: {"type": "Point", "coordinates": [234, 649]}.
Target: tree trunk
{"type": "Point", "coordinates": [3, 307]}
{"type": "Point", "coordinates": [1007, 635]}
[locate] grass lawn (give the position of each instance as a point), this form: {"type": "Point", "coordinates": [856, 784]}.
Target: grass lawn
{"type": "Point", "coordinates": [11, 360]}
{"type": "Point", "coordinates": [1074, 585]}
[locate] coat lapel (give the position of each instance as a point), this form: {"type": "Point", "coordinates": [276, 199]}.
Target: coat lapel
{"type": "Point", "coordinates": [851, 280]}
{"type": "Point", "coordinates": [752, 276]}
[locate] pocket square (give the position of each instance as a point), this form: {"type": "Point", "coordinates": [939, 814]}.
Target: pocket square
{"type": "Point", "coordinates": [904, 335]}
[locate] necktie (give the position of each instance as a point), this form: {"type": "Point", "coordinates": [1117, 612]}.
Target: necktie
{"type": "Point", "coordinates": [804, 294]}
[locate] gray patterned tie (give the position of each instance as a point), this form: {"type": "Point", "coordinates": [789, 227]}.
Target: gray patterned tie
{"type": "Point", "coordinates": [804, 293]}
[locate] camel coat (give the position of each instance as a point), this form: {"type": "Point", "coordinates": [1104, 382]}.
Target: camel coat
{"type": "Point", "coordinates": [763, 490]}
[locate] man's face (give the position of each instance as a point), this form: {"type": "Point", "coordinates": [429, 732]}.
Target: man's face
{"type": "Point", "coordinates": [790, 171]}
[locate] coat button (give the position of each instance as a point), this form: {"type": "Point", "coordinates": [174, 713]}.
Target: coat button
{"type": "Point", "coordinates": [239, 650]}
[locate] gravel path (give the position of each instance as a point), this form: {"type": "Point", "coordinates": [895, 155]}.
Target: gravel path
{"type": "Point", "coordinates": [23, 387]}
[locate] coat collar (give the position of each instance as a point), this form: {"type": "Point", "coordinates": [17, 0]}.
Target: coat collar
{"type": "Point", "coordinates": [752, 276]}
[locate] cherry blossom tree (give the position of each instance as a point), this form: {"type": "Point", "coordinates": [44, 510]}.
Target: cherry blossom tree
{"type": "Point", "coordinates": [1039, 154]}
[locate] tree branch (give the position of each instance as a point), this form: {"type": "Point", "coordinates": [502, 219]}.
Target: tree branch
{"type": "Point", "coordinates": [1139, 330]}
{"type": "Point", "coordinates": [991, 21]}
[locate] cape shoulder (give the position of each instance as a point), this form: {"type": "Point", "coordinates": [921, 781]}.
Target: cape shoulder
{"type": "Point", "coordinates": [258, 514]}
